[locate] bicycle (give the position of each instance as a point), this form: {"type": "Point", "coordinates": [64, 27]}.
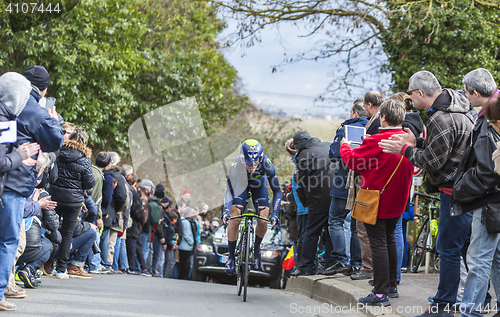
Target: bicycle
{"type": "Point", "coordinates": [425, 241]}
{"type": "Point", "coordinates": [244, 254]}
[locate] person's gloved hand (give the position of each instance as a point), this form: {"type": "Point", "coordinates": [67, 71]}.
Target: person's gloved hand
{"type": "Point", "coordinates": [274, 220]}
{"type": "Point", "coordinates": [225, 216]}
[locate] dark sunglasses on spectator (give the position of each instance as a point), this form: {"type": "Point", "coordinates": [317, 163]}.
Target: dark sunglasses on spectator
{"type": "Point", "coordinates": [410, 91]}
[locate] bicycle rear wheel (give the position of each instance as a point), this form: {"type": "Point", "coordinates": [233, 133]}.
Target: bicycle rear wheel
{"type": "Point", "coordinates": [418, 248]}
{"type": "Point", "coordinates": [246, 268]}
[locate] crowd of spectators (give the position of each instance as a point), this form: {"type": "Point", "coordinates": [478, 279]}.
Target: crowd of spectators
{"type": "Point", "coordinates": [460, 157]}
{"type": "Point", "coordinates": [65, 217]}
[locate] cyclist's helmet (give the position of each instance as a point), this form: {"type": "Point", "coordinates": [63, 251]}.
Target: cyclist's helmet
{"type": "Point", "coordinates": [251, 152]}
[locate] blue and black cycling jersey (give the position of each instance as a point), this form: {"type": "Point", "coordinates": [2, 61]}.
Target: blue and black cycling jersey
{"type": "Point", "coordinates": [240, 182]}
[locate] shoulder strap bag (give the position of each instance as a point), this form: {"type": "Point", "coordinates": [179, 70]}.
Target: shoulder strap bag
{"type": "Point", "coordinates": [367, 201]}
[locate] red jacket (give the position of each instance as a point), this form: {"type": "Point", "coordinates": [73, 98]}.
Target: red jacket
{"type": "Point", "coordinates": [375, 168]}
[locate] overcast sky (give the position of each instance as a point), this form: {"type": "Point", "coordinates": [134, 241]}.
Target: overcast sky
{"type": "Point", "coordinates": [295, 87]}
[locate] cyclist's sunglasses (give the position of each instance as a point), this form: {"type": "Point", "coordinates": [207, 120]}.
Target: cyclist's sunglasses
{"type": "Point", "coordinates": [251, 162]}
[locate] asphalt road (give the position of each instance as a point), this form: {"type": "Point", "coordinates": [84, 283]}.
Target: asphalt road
{"type": "Point", "coordinates": [125, 295]}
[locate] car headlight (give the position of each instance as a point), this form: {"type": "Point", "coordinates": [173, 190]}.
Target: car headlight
{"type": "Point", "coordinates": [205, 248]}
{"type": "Point", "coordinates": [269, 254]}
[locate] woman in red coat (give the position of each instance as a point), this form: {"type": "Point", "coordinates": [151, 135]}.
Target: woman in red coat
{"type": "Point", "coordinates": [375, 168]}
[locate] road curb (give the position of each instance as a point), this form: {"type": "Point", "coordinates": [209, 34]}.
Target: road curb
{"type": "Point", "coordinates": [335, 292]}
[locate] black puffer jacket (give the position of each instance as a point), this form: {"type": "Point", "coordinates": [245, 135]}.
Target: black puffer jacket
{"type": "Point", "coordinates": [74, 173]}
{"type": "Point", "coordinates": [50, 222]}
{"type": "Point", "coordinates": [315, 174]}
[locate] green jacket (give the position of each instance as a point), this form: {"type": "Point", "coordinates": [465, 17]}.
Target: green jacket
{"type": "Point", "coordinates": [154, 214]}
{"type": "Point", "coordinates": [97, 189]}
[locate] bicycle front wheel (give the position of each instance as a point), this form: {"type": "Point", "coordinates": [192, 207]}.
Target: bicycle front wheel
{"type": "Point", "coordinates": [239, 264]}
{"type": "Point", "coordinates": [246, 268]}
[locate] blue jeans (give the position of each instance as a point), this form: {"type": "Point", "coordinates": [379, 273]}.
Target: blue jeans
{"type": "Point", "coordinates": [120, 254]}
{"type": "Point", "coordinates": [158, 257]}
{"type": "Point", "coordinates": [483, 259]}
{"type": "Point", "coordinates": [80, 248]}
{"type": "Point", "coordinates": [400, 247]}
{"type": "Point", "coordinates": [169, 263]}
{"type": "Point", "coordinates": [294, 244]}
{"type": "Point", "coordinates": [95, 259]}
{"type": "Point", "coordinates": [347, 233]}
{"type": "Point", "coordinates": [83, 245]}
{"type": "Point", "coordinates": [302, 224]}
{"type": "Point", "coordinates": [405, 241]}
{"type": "Point", "coordinates": [37, 257]}
{"type": "Point", "coordinates": [11, 215]}
{"type": "Point", "coordinates": [145, 246]}
{"type": "Point", "coordinates": [104, 246]}
{"type": "Point", "coordinates": [336, 219]}
{"type": "Point", "coordinates": [452, 235]}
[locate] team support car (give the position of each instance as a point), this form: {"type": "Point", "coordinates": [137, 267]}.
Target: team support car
{"type": "Point", "coordinates": [211, 255]}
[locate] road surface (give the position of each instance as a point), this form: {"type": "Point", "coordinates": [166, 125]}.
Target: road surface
{"type": "Point", "coordinates": [126, 295]}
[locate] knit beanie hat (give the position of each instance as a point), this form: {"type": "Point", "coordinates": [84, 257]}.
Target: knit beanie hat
{"type": "Point", "coordinates": [38, 76]}
{"type": "Point", "coordinates": [102, 159]}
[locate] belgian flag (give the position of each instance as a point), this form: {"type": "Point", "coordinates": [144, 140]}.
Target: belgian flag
{"type": "Point", "coordinates": [289, 261]}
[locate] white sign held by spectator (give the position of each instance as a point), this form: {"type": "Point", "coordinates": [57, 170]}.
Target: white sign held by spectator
{"type": "Point", "coordinates": [8, 132]}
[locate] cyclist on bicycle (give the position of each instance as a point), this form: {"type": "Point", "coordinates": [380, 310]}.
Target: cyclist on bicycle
{"type": "Point", "coordinates": [249, 172]}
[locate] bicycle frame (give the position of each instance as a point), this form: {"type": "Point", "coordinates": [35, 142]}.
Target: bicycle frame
{"type": "Point", "coordinates": [244, 249]}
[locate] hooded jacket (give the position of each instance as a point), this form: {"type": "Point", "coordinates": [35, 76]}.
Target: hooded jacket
{"type": "Point", "coordinates": [315, 173]}
{"type": "Point", "coordinates": [74, 173]}
{"type": "Point", "coordinates": [14, 94]}
{"type": "Point", "coordinates": [188, 239]}
{"type": "Point", "coordinates": [339, 188]}
{"type": "Point", "coordinates": [33, 125]}
{"type": "Point", "coordinates": [448, 128]}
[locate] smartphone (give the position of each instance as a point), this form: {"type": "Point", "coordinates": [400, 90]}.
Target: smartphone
{"type": "Point", "coordinates": [355, 135]}
{"type": "Point", "coordinates": [51, 102]}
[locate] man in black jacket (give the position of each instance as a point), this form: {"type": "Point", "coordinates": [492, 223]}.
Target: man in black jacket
{"type": "Point", "coordinates": [315, 174]}
{"type": "Point", "coordinates": [475, 189]}
{"type": "Point", "coordinates": [138, 215]}
{"type": "Point", "coordinates": [115, 209]}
